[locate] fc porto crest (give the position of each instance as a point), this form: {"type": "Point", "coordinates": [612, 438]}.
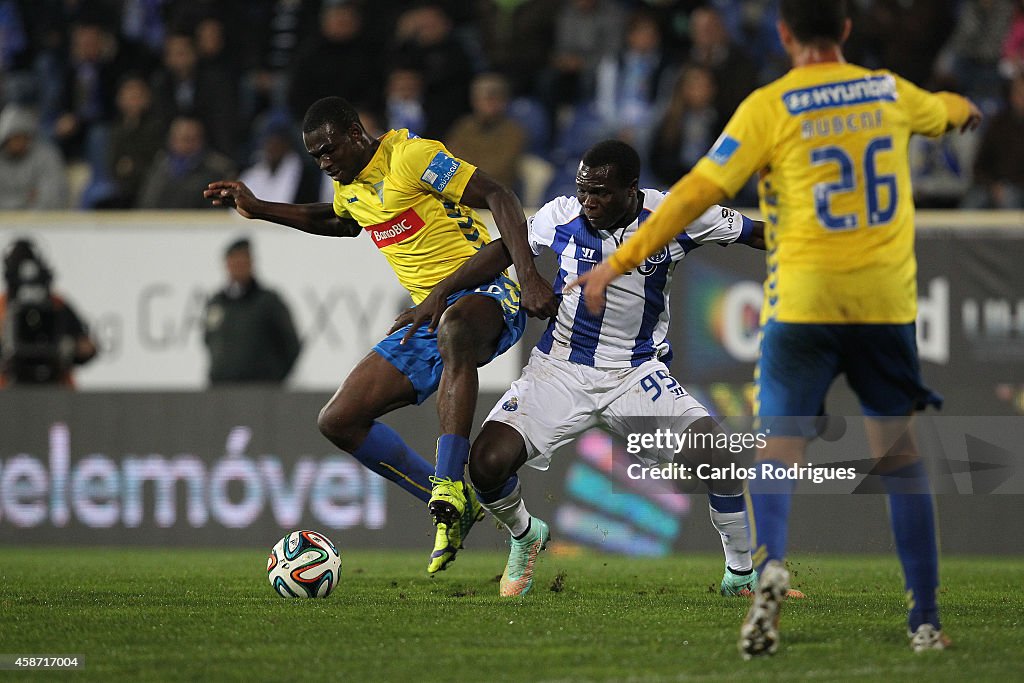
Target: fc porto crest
{"type": "Point", "coordinates": [652, 262]}
{"type": "Point", "coordinates": [511, 405]}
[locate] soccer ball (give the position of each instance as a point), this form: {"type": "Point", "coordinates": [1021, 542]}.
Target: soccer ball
{"type": "Point", "coordinates": [304, 564]}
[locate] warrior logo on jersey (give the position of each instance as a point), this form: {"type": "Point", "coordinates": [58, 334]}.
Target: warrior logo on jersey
{"type": "Point", "coordinates": [652, 262]}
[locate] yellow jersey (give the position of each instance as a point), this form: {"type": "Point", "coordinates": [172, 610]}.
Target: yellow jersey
{"type": "Point", "coordinates": [407, 199]}
{"type": "Point", "coordinates": [830, 144]}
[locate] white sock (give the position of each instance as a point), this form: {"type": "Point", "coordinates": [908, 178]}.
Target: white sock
{"type": "Point", "coordinates": [735, 532]}
{"type": "Point", "coordinates": [511, 511]}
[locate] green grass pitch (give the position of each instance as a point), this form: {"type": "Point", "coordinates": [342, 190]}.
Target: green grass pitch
{"type": "Point", "coordinates": [167, 615]}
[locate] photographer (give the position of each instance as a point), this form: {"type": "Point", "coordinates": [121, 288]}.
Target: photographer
{"type": "Point", "coordinates": [41, 336]}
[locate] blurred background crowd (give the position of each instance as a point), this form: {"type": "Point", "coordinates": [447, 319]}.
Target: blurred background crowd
{"type": "Point", "coordinates": [140, 103]}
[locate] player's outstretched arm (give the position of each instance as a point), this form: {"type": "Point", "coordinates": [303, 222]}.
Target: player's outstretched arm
{"type": "Point", "coordinates": [485, 265]}
{"type": "Point", "coordinates": [482, 191]}
{"type": "Point", "coordinates": [316, 219]}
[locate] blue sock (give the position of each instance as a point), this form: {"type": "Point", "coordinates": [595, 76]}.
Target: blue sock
{"type": "Point", "coordinates": [913, 528]}
{"type": "Point", "coordinates": [502, 491]}
{"type": "Point", "coordinates": [452, 456]}
{"type": "Point", "coordinates": [384, 452]}
{"type": "Point", "coordinates": [727, 503]}
{"type": "Point", "coordinates": [769, 510]}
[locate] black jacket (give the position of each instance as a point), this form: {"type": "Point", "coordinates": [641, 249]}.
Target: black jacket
{"type": "Point", "coordinates": [250, 337]}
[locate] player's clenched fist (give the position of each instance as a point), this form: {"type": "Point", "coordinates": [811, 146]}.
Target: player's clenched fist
{"type": "Point", "coordinates": [538, 299]}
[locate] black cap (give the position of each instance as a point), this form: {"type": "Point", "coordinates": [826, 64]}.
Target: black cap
{"type": "Point", "coordinates": [240, 244]}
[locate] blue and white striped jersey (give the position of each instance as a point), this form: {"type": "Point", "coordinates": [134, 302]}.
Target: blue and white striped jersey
{"type": "Point", "coordinates": [634, 325]}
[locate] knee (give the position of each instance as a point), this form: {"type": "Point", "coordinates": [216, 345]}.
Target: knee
{"type": "Point", "coordinates": [489, 467]}
{"type": "Point", "coordinates": [342, 424]}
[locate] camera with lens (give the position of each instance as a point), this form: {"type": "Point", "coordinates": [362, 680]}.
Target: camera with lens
{"type": "Point", "coordinates": [35, 347]}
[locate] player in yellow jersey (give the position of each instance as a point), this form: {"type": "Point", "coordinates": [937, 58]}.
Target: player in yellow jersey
{"type": "Point", "coordinates": [415, 201]}
{"type": "Point", "coordinates": [829, 142]}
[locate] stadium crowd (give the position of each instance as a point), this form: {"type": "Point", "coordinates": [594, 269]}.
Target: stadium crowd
{"type": "Point", "coordinates": [141, 103]}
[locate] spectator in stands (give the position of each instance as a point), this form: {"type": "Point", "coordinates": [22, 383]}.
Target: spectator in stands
{"type": "Point", "coordinates": [16, 54]}
{"type": "Point", "coordinates": [734, 72]}
{"type": "Point", "coordinates": [585, 32]}
{"type": "Point", "coordinates": [335, 62]}
{"type": "Point", "coordinates": [36, 74]}
{"type": "Point", "coordinates": [487, 137]}
{"type": "Point", "coordinates": [181, 88]}
{"type": "Point", "coordinates": [516, 37]}
{"type": "Point", "coordinates": [184, 169]}
{"type": "Point", "coordinates": [403, 100]}
{"type": "Point", "coordinates": [89, 80]}
{"type": "Point", "coordinates": [631, 83]}
{"type": "Point", "coordinates": [270, 35]}
{"type": "Point", "coordinates": [904, 35]}
{"type": "Point", "coordinates": [757, 34]}
{"type": "Point", "coordinates": [688, 128]}
{"type": "Point", "coordinates": [32, 171]}
{"type": "Point", "coordinates": [281, 174]}
{"type": "Point", "coordinates": [248, 329]}
{"type": "Point", "coordinates": [424, 37]}
{"type": "Point", "coordinates": [970, 58]}
{"type": "Point", "coordinates": [143, 21]}
{"type": "Point", "coordinates": [135, 139]}
{"type": "Point", "coordinates": [188, 15]}
{"type": "Point", "coordinates": [999, 167]}
{"type": "Point", "coordinates": [41, 336]}
{"type": "Point", "coordinates": [210, 39]}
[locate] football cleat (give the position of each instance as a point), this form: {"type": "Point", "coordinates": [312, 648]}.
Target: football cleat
{"type": "Point", "coordinates": [455, 509]}
{"type": "Point", "coordinates": [522, 557]}
{"type": "Point", "coordinates": [447, 541]}
{"type": "Point", "coordinates": [759, 634]}
{"type": "Point", "coordinates": [447, 500]}
{"type": "Point", "coordinates": [738, 585]}
{"type": "Point", "coordinates": [927, 637]}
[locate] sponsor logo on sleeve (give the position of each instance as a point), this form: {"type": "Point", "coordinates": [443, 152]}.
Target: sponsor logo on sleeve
{"type": "Point", "coordinates": [400, 228]}
{"type": "Point", "coordinates": [723, 150]}
{"type": "Point", "coordinates": [440, 171]}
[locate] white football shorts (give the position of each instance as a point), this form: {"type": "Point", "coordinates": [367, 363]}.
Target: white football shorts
{"type": "Point", "coordinates": [555, 400]}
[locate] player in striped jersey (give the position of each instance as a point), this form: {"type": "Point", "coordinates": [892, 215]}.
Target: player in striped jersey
{"type": "Point", "coordinates": [607, 369]}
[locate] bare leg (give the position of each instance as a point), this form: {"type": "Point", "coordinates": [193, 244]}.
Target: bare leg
{"type": "Point", "coordinates": [466, 336]}
{"type": "Point", "coordinates": [375, 387]}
